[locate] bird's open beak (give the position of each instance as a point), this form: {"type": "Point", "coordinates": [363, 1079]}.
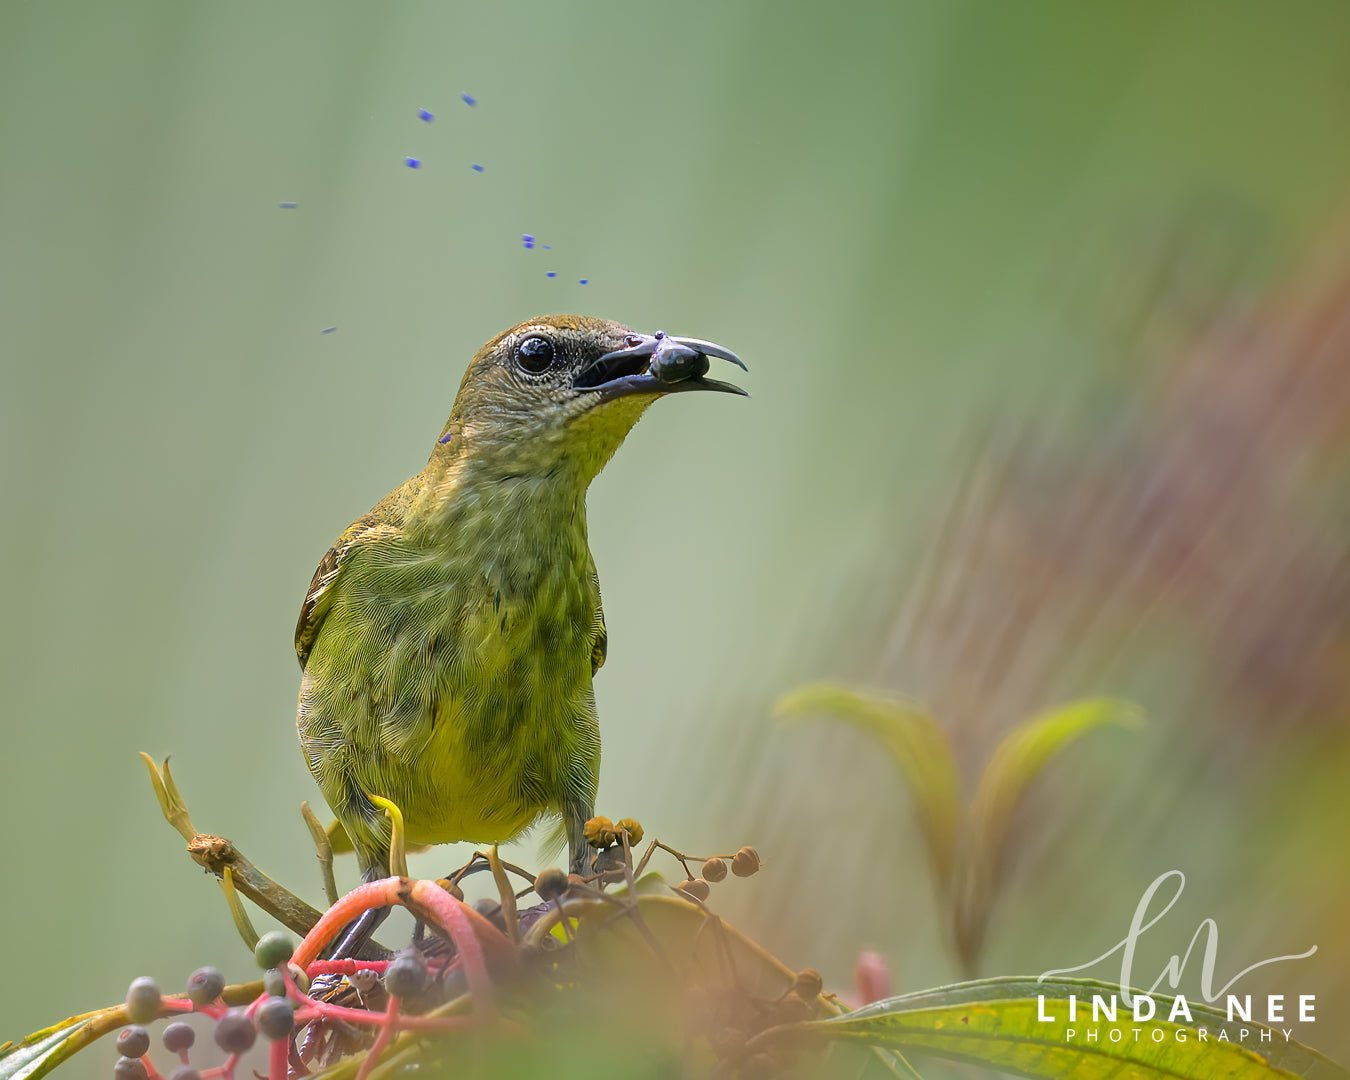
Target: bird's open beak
{"type": "Point", "coordinates": [656, 364]}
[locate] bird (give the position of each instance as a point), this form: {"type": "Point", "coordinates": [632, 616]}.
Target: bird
{"type": "Point", "coordinates": [449, 637]}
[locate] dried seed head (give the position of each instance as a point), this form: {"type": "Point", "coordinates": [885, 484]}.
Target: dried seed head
{"type": "Point", "coordinates": [599, 832]}
{"type": "Point", "coordinates": [133, 1042]}
{"type": "Point", "coordinates": [793, 1009]}
{"type": "Point", "coordinates": [550, 884]}
{"type": "Point", "coordinates": [143, 1000]}
{"type": "Point", "coordinates": [809, 984]}
{"type": "Point", "coordinates": [205, 985]}
{"type": "Point", "coordinates": [630, 826]}
{"type": "Point", "coordinates": [451, 887]}
{"type": "Point", "coordinates": [275, 1018]}
{"type": "Point", "coordinates": [610, 859]}
{"type": "Point", "coordinates": [745, 862]}
{"type": "Point", "coordinates": [178, 1037]}
{"type": "Point", "coordinates": [714, 870]}
{"type": "Point", "coordinates": [273, 949]}
{"type": "Point", "coordinates": [235, 1033]}
{"type": "Point", "coordinates": [695, 887]}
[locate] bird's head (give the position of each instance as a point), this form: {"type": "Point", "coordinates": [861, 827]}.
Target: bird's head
{"type": "Point", "coordinates": [567, 389]}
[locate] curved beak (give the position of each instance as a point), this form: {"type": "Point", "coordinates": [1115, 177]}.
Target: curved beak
{"type": "Point", "coordinates": [657, 364]}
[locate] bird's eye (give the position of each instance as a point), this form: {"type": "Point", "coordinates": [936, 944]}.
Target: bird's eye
{"type": "Point", "coordinates": [535, 355]}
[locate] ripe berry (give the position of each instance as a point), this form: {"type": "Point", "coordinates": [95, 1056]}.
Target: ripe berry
{"type": "Point", "coordinates": [406, 975]}
{"type": "Point", "coordinates": [178, 1037]}
{"type": "Point", "coordinates": [275, 1018]}
{"type": "Point", "coordinates": [204, 985]}
{"type": "Point", "coordinates": [129, 1068]}
{"type": "Point", "coordinates": [235, 1033]}
{"type": "Point", "coordinates": [133, 1042]}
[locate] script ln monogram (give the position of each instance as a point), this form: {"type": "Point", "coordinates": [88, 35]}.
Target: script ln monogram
{"type": "Point", "coordinates": [1177, 964]}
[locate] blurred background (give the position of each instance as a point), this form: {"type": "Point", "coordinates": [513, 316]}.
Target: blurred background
{"type": "Point", "coordinates": [1047, 309]}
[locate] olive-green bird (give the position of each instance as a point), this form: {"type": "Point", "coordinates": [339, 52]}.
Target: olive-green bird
{"type": "Point", "coordinates": [449, 637]}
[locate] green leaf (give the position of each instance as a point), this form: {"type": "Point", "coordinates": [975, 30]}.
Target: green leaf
{"type": "Point", "coordinates": [38, 1054]}
{"type": "Point", "coordinates": [995, 1022]}
{"type": "Point", "coordinates": [1016, 762]}
{"type": "Point", "coordinates": [916, 744]}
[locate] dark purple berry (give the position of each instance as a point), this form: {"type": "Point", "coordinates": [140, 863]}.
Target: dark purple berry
{"type": "Point", "coordinates": [235, 1033]}
{"type": "Point", "coordinates": [133, 1041]}
{"type": "Point", "coordinates": [129, 1068]}
{"type": "Point", "coordinates": [275, 1018]}
{"type": "Point", "coordinates": [178, 1037]}
{"type": "Point", "coordinates": [406, 976]}
{"type": "Point", "coordinates": [205, 985]}
{"type": "Point", "coordinates": [185, 1072]}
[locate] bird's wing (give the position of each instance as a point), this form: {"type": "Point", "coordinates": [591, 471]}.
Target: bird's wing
{"type": "Point", "coordinates": [600, 644]}
{"type": "Point", "coordinates": [320, 593]}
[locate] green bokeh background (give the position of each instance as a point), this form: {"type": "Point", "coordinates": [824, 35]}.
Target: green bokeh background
{"type": "Point", "coordinates": [890, 210]}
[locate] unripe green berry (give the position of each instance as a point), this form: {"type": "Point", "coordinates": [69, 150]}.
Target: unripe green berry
{"type": "Point", "coordinates": [275, 1018]}
{"type": "Point", "coordinates": [178, 1037]}
{"type": "Point", "coordinates": [406, 976]}
{"type": "Point", "coordinates": [273, 949]}
{"type": "Point", "coordinates": [129, 1068]}
{"type": "Point", "coordinates": [133, 1041]}
{"type": "Point", "coordinates": [205, 985]}
{"type": "Point", "coordinates": [143, 1000]}
{"type": "Point", "coordinates": [235, 1033]}
{"type": "Point", "coordinates": [274, 983]}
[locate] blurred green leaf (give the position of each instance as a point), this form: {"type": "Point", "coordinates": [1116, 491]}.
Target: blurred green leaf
{"type": "Point", "coordinates": [1017, 761]}
{"type": "Point", "coordinates": [995, 1022]}
{"type": "Point", "coordinates": [42, 1051]}
{"type": "Point", "coordinates": [916, 744]}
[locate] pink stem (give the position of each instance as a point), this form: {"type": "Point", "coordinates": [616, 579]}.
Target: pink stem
{"type": "Point", "coordinates": [322, 1010]}
{"type": "Point", "coordinates": [279, 1060]}
{"type": "Point", "coordinates": [387, 1029]}
{"type": "Point", "coordinates": [466, 928]}
{"type": "Point", "coordinates": [345, 967]}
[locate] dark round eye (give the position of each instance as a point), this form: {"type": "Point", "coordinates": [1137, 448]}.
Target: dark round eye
{"type": "Point", "coordinates": [535, 355]}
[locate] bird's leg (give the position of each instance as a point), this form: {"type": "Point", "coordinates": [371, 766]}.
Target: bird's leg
{"type": "Point", "coordinates": [580, 857]}
{"type": "Point", "coordinates": [355, 939]}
